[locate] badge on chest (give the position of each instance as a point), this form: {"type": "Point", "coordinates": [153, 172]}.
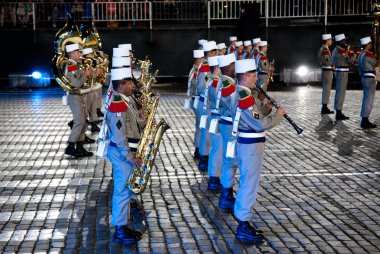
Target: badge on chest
{"type": "Point", "coordinates": [255, 115]}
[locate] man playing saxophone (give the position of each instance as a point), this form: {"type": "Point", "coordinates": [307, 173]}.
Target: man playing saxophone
{"type": "Point", "coordinates": [76, 102]}
{"type": "Point", "coordinates": [123, 122]}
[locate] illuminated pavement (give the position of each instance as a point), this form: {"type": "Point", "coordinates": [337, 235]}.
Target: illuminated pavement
{"type": "Point", "coordinates": [320, 192]}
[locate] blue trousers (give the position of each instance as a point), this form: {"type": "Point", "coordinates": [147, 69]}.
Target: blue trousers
{"type": "Point", "coordinates": [229, 165]}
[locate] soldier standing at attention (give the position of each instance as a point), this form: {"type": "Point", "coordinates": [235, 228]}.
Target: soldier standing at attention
{"type": "Point", "coordinates": [263, 65]}
{"type": "Point", "coordinates": [324, 57]}
{"type": "Point", "coordinates": [231, 48]}
{"type": "Point", "coordinates": [76, 102]}
{"type": "Point", "coordinates": [250, 125]}
{"type": "Point", "coordinates": [341, 59]}
{"type": "Point", "coordinates": [122, 121]}
{"type": "Point", "coordinates": [366, 64]}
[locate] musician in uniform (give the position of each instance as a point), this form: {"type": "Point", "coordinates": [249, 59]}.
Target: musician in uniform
{"type": "Point", "coordinates": [222, 49]}
{"type": "Point", "coordinates": [263, 65]}
{"type": "Point", "coordinates": [204, 75]}
{"type": "Point", "coordinates": [251, 125]}
{"type": "Point", "coordinates": [200, 43]}
{"type": "Point", "coordinates": [227, 88]}
{"type": "Point", "coordinates": [341, 59]}
{"type": "Point", "coordinates": [248, 50]}
{"type": "Point", "coordinates": [76, 102]}
{"type": "Point", "coordinates": [240, 50]}
{"type": "Point", "coordinates": [194, 95]}
{"type": "Point", "coordinates": [366, 64]}
{"type": "Point", "coordinates": [215, 156]}
{"type": "Point", "coordinates": [256, 50]}
{"type": "Point", "coordinates": [324, 57]}
{"type": "Point", "coordinates": [123, 122]}
{"type": "Point", "coordinates": [232, 47]}
{"type": "Point", "coordinates": [91, 97]}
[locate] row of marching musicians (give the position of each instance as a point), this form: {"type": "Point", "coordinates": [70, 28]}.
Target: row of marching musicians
{"type": "Point", "coordinates": [233, 120]}
{"type": "Point", "coordinates": [123, 124]}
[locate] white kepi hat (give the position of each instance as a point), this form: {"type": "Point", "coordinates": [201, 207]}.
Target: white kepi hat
{"type": "Point", "coordinates": [256, 40]}
{"type": "Point", "coordinates": [233, 38]}
{"type": "Point", "coordinates": [121, 61]}
{"type": "Point", "coordinates": [246, 65]}
{"type": "Point", "coordinates": [221, 46]}
{"type": "Point", "coordinates": [201, 41]}
{"type": "Point", "coordinates": [325, 37]}
{"type": "Point", "coordinates": [120, 52]}
{"type": "Point", "coordinates": [127, 46]}
{"type": "Point", "coordinates": [209, 46]}
{"type": "Point", "coordinates": [213, 61]}
{"type": "Point", "coordinates": [239, 43]}
{"type": "Point", "coordinates": [263, 43]}
{"type": "Point", "coordinates": [121, 73]}
{"type": "Point", "coordinates": [198, 53]}
{"type": "Point", "coordinates": [72, 47]}
{"type": "Point", "coordinates": [226, 60]}
{"type": "Point", "coordinates": [365, 40]}
{"type": "Point", "coordinates": [247, 43]}
{"type": "Point", "coordinates": [340, 37]}
{"type": "Point", "coordinates": [87, 51]}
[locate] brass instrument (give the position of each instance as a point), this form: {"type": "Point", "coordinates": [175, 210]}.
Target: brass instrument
{"type": "Point", "coordinates": [151, 138]}
{"type": "Point", "coordinates": [271, 71]}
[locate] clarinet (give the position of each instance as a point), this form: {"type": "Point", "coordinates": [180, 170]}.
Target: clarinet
{"type": "Point", "coordinates": [274, 102]}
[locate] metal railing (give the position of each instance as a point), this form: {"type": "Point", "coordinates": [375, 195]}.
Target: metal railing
{"type": "Point", "coordinates": [22, 14]}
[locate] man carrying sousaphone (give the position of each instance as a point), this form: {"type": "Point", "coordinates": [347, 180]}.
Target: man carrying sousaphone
{"type": "Point", "coordinates": [76, 102]}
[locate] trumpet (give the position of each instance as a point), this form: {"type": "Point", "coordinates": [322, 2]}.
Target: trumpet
{"type": "Point", "coordinates": [274, 102]}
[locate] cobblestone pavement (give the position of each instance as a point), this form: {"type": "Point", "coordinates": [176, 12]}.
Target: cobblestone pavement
{"type": "Point", "coordinates": [319, 191]}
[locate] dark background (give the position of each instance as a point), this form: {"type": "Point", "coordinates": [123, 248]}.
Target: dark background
{"type": "Point", "coordinates": [170, 50]}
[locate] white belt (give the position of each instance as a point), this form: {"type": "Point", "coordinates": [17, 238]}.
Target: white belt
{"type": "Point", "coordinates": [342, 69]}
{"type": "Point", "coordinates": [251, 135]}
{"type": "Point", "coordinates": [84, 91]}
{"type": "Point", "coordinates": [226, 118]}
{"type": "Point", "coordinates": [214, 111]}
{"type": "Point", "coordinates": [195, 96]}
{"type": "Point", "coordinates": [133, 145]}
{"type": "Point", "coordinates": [327, 67]}
{"type": "Point", "coordinates": [369, 75]}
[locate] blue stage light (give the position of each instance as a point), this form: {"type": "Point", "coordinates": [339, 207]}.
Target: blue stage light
{"type": "Point", "coordinates": [36, 75]}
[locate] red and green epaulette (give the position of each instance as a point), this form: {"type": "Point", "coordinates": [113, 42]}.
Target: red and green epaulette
{"type": "Point", "coordinates": [263, 58]}
{"type": "Point", "coordinates": [370, 54]}
{"type": "Point", "coordinates": [246, 100]}
{"type": "Point", "coordinates": [195, 74]}
{"type": "Point", "coordinates": [342, 51]}
{"type": "Point", "coordinates": [227, 88]}
{"type": "Point", "coordinates": [205, 68]}
{"type": "Point", "coordinates": [118, 104]}
{"type": "Point", "coordinates": [215, 82]}
{"type": "Point", "coordinates": [72, 67]}
{"type": "Point", "coordinates": [326, 52]}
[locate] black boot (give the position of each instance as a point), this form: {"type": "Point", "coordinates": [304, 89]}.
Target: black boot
{"type": "Point", "coordinates": [203, 163]}
{"type": "Point", "coordinates": [71, 124]}
{"type": "Point", "coordinates": [88, 140]}
{"type": "Point", "coordinates": [124, 236]}
{"type": "Point", "coordinates": [246, 231]}
{"type": "Point", "coordinates": [134, 206]}
{"type": "Point", "coordinates": [214, 183]}
{"type": "Point", "coordinates": [70, 150]}
{"type": "Point", "coordinates": [326, 110]}
{"type": "Point", "coordinates": [340, 115]}
{"type": "Point", "coordinates": [196, 154]}
{"type": "Point", "coordinates": [366, 124]}
{"type": "Point", "coordinates": [226, 199]}
{"type": "Point", "coordinates": [99, 112]}
{"type": "Point", "coordinates": [94, 127]}
{"type": "Point", "coordinates": [83, 152]}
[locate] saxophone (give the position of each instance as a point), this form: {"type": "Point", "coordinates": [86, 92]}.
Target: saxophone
{"type": "Point", "coordinates": [152, 135]}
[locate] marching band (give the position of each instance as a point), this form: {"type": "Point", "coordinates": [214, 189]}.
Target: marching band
{"type": "Point", "coordinates": [227, 91]}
